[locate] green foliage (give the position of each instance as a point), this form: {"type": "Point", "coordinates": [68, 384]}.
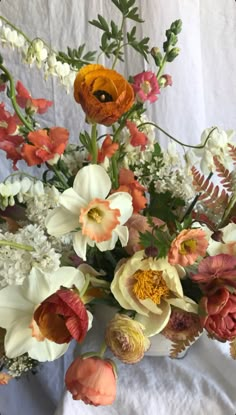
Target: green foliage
{"type": "Point", "coordinates": [164, 206]}
{"type": "Point", "coordinates": [76, 58]}
{"type": "Point", "coordinates": [127, 9]}
{"type": "Point", "coordinates": [158, 238]}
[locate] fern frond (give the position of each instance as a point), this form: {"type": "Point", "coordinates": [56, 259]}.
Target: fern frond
{"type": "Point", "coordinates": [233, 349]}
{"type": "Point", "coordinates": [226, 176]}
{"type": "Point", "coordinates": [179, 346]}
{"type": "Point", "coordinates": [209, 194]}
{"type": "Point", "coordinates": [232, 152]}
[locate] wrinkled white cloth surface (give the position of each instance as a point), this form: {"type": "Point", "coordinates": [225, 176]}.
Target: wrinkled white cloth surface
{"type": "Point", "coordinates": [202, 95]}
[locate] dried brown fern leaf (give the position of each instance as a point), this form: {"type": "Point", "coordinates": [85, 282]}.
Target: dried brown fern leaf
{"type": "Point", "coordinates": [228, 178]}
{"type": "Point", "coordinates": [233, 349]}
{"type": "Point", "coordinates": [179, 346]}
{"type": "Point", "coordinates": [232, 152]}
{"type": "Point", "coordinates": [210, 194]}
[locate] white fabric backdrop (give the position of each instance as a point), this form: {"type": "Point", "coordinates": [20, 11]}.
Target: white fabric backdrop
{"type": "Point", "coordinates": [202, 95]}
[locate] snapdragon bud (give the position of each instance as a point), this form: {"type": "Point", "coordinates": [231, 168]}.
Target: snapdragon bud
{"type": "Point", "coordinates": [172, 54]}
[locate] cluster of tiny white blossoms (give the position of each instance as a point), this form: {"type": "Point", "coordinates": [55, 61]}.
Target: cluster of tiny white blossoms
{"type": "Point", "coordinates": [74, 158]}
{"type": "Point", "coordinates": [16, 264]}
{"type": "Point", "coordinates": [19, 365]}
{"type": "Point", "coordinates": [166, 172]}
{"type": "Point", "coordinates": [39, 53]}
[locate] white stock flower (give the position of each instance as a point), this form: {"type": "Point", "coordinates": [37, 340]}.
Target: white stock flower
{"type": "Point", "coordinates": [17, 306]}
{"type": "Point", "coordinates": [94, 218]}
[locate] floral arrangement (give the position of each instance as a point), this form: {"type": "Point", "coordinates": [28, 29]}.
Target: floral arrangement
{"type": "Point", "coordinates": [114, 219]}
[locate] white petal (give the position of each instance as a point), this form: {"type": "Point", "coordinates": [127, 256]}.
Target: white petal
{"type": "Point", "coordinates": [80, 244]}
{"type": "Point", "coordinates": [18, 338]}
{"type": "Point", "coordinates": [92, 182]}
{"type": "Point", "coordinates": [47, 350]}
{"type": "Point", "coordinates": [154, 323]}
{"type": "Point", "coordinates": [123, 234]}
{"type": "Point", "coordinates": [13, 305]}
{"type": "Point", "coordinates": [71, 201]}
{"type": "Point", "coordinates": [184, 303]}
{"type": "Point", "coordinates": [36, 286]}
{"type": "Point", "coordinates": [60, 221]}
{"type": "Point", "coordinates": [108, 245]}
{"type": "Point", "coordinates": [90, 319]}
{"type": "Point", "coordinates": [123, 202]}
{"type": "Point", "coordinates": [67, 277]}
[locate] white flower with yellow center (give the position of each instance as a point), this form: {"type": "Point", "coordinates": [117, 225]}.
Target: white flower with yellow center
{"type": "Point", "coordinates": [17, 306]}
{"type": "Point", "coordinates": [149, 287]}
{"type": "Point", "coordinates": [94, 218]}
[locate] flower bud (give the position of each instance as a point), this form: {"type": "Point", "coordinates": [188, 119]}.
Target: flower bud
{"type": "Point", "coordinates": [157, 56]}
{"type": "Point", "coordinates": [172, 54]}
{"type": "Point", "coordinates": [218, 236]}
{"type": "Point", "coordinates": [126, 339]}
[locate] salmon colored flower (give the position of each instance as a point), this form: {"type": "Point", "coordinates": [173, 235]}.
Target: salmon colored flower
{"type": "Point", "coordinates": [136, 224]}
{"type": "Point", "coordinates": [93, 217]}
{"type": "Point", "coordinates": [5, 378]}
{"type": "Point", "coordinates": [62, 317]}
{"type": "Point", "coordinates": [137, 137]}
{"type": "Point", "coordinates": [24, 100]}
{"type": "Point", "coordinates": [92, 380]}
{"type": "Point", "coordinates": [218, 314]}
{"type": "Point", "coordinates": [187, 247]}
{"type": "Point", "coordinates": [182, 325]}
{"type": "Point", "coordinates": [146, 86]}
{"type": "Point", "coordinates": [128, 184]}
{"type": "Point", "coordinates": [45, 145]}
{"type": "Point", "coordinates": [125, 337]}
{"type": "Point", "coordinates": [10, 141]}
{"type": "Point", "coordinates": [108, 149]}
{"type": "Point", "coordinates": [150, 287]}
{"type": "Point", "coordinates": [103, 93]}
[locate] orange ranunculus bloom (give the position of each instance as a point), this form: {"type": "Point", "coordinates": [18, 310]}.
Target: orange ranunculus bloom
{"type": "Point", "coordinates": [92, 380]}
{"type": "Point", "coordinates": [104, 94]}
{"type": "Point", "coordinates": [44, 145]}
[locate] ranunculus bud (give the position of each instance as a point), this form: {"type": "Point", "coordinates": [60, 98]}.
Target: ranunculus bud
{"type": "Point", "coordinates": [217, 236]}
{"type": "Point", "coordinates": [92, 380]}
{"type": "Point", "coordinates": [125, 337]}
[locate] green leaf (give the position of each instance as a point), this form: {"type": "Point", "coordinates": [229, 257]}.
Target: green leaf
{"type": "Point", "coordinates": [133, 15]}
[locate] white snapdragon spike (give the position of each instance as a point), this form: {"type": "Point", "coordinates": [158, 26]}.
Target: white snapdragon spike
{"type": "Point", "coordinates": [17, 306]}
{"type": "Point", "coordinates": [94, 218]}
{"type": "Point", "coordinates": [217, 145]}
{"type": "Point", "coordinates": [16, 264]}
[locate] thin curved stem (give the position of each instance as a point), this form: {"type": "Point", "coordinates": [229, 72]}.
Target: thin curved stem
{"type": "Point", "coordinates": [16, 245]}
{"type": "Point", "coordinates": [15, 28]}
{"type": "Point", "coordinates": [119, 44]}
{"type": "Point", "coordinates": [175, 139]}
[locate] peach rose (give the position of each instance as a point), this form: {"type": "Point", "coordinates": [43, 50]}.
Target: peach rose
{"type": "Point", "coordinates": [92, 380]}
{"type": "Point", "coordinates": [103, 94]}
{"type": "Point", "coordinates": [187, 247]}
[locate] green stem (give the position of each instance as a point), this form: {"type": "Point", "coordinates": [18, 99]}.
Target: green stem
{"type": "Point", "coordinates": [15, 28]}
{"type": "Point", "coordinates": [175, 139]}
{"type": "Point", "coordinates": [229, 208]}
{"type": "Point", "coordinates": [94, 143]}
{"type": "Point", "coordinates": [58, 175]}
{"type": "Point", "coordinates": [13, 99]}
{"type": "Point", "coordinates": [16, 245]}
{"type": "Point", "coordinates": [102, 349]}
{"type": "Point", "coordinates": [115, 178]}
{"type": "Point", "coordinates": [119, 44]}
{"type": "Point", "coordinates": [159, 73]}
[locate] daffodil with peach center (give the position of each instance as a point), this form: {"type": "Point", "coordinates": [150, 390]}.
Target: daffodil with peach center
{"type": "Point", "coordinates": [188, 247]}
{"type": "Point", "coordinates": [99, 220]}
{"type": "Point", "coordinates": [150, 284]}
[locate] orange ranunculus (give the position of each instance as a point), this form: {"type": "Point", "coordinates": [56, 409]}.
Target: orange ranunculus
{"type": "Point", "coordinates": [45, 145]}
{"type": "Point", "coordinates": [62, 316]}
{"type": "Point", "coordinates": [92, 380]}
{"type": "Point", "coordinates": [104, 94]}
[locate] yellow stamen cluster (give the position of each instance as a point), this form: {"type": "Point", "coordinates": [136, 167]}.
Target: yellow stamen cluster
{"type": "Point", "coordinates": [188, 247]}
{"type": "Point", "coordinates": [95, 214]}
{"type": "Point", "coordinates": [150, 284]}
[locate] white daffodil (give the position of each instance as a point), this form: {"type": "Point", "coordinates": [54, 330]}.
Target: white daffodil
{"type": "Point", "coordinates": [17, 306]}
{"type": "Point", "coordinates": [94, 218]}
{"type": "Point", "coordinates": [149, 287]}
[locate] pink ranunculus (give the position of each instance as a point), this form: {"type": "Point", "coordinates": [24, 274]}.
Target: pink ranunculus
{"type": "Point", "coordinates": [219, 314]}
{"type": "Point", "coordinates": [218, 268]}
{"type": "Point", "coordinates": [136, 224]}
{"type": "Point", "coordinates": [146, 86]}
{"type": "Point", "coordinates": [187, 247]}
{"type": "Point", "coordinates": [92, 380]}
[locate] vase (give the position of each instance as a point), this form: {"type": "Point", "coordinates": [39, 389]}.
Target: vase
{"type": "Point", "coordinates": [160, 345]}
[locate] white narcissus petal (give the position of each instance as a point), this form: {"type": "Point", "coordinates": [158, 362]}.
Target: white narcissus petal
{"type": "Point", "coordinates": [36, 287]}
{"type": "Point", "coordinates": [67, 277]}
{"type": "Point", "coordinates": [123, 202]}
{"type": "Point", "coordinates": [18, 338]}
{"type": "Point", "coordinates": [80, 244]}
{"type": "Point", "coordinates": [108, 245]}
{"type": "Point", "coordinates": [154, 323]}
{"type": "Point", "coordinates": [123, 234]}
{"type": "Point", "coordinates": [60, 221]}
{"type": "Point", "coordinates": [92, 182]}
{"type": "Point", "coordinates": [47, 350]}
{"type": "Point", "coordinates": [71, 201]}
{"type": "Point", "coordinates": [90, 319]}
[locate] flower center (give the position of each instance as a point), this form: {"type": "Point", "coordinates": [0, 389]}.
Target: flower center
{"type": "Point", "coordinates": [146, 87]}
{"type": "Point", "coordinates": [188, 247]}
{"type": "Point", "coordinates": [96, 215]}
{"type": "Point", "coordinates": [103, 96]}
{"type": "Point", "coordinates": [123, 341]}
{"type": "Point", "coordinates": [150, 284]}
